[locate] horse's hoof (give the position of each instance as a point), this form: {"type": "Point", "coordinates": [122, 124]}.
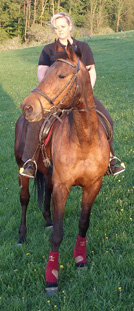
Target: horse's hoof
{"type": "Point", "coordinates": [19, 244]}
{"type": "Point", "coordinates": [21, 241]}
{"type": "Point", "coordinates": [82, 266]}
{"type": "Point", "coordinates": [51, 289]}
{"type": "Point", "coordinates": [49, 226]}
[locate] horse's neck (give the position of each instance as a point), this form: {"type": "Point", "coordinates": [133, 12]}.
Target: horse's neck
{"type": "Point", "coordinates": [85, 118]}
{"type": "Point", "coordinates": [84, 126]}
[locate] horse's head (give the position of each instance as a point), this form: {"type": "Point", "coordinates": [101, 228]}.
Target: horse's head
{"type": "Point", "coordinates": [57, 90]}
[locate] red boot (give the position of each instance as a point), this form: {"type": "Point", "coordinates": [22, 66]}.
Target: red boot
{"type": "Point", "coordinates": [80, 252]}
{"type": "Point", "coordinates": [52, 271]}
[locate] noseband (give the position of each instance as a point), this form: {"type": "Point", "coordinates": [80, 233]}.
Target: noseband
{"type": "Point", "coordinates": [53, 108]}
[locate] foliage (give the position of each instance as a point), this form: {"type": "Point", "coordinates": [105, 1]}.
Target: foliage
{"type": "Point", "coordinates": [109, 283]}
{"type": "Point", "coordinates": [3, 35]}
{"type": "Point", "coordinates": [17, 16]}
{"type": "Point", "coordinates": [41, 34]}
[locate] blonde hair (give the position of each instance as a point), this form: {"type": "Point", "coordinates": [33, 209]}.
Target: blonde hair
{"type": "Point", "coordinates": [60, 15]}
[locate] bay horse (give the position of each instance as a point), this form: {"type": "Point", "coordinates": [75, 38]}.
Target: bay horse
{"type": "Point", "coordinates": [78, 151]}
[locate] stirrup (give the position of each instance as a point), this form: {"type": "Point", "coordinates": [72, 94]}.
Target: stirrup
{"type": "Point", "coordinates": [114, 169]}
{"type": "Point", "coordinates": [114, 158]}
{"type": "Point", "coordinates": [22, 169]}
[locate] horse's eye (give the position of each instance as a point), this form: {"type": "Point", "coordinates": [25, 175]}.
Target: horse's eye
{"type": "Point", "coordinates": [62, 76]}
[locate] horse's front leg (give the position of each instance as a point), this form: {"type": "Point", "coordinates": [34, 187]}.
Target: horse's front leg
{"type": "Point", "coordinates": [88, 197]}
{"type": "Point", "coordinates": [24, 200]}
{"type": "Point", "coordinates": [59, 196]}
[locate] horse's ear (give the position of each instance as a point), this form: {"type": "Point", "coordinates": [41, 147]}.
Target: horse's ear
{"type": "Point", "coordinates": [58, 46]}
{"type": "Point", "coordinates": [70, 52]}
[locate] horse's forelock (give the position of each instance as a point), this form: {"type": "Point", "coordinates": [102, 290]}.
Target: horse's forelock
{"type": "Point", "coordinates": [61, 54]}
{"type": "Point", "coordinates": [70, 53]}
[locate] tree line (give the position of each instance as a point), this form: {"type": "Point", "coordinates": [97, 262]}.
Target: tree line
{"type": "Point", "coordinates": [17, 16]}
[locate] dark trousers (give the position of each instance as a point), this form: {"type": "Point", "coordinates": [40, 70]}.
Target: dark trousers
{"type": "Point", "coordinates": [103, 110]}
{"type": "Point", "coordinates": [32, 141]}
{"type": "Point", "coordinates": [33, 129]}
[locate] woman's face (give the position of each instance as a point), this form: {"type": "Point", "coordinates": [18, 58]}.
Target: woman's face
{"type": "Point", "coordinates": [62, 28]}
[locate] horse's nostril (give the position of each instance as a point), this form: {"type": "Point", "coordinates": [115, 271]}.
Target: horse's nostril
{"type": "Point", "coordinates": [28, 109]}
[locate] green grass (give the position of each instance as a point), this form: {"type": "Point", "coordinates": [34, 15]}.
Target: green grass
{"type": "Point", "coordinates": [109, 283]}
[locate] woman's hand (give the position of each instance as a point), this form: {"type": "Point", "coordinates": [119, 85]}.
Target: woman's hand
{"type": "Point", "coordinates": [42, 69]}
{"type": "Point", "coordinates": [92, 73]}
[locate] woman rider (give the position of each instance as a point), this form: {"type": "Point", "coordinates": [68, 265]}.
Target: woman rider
{"type": "Point", "coordinates": [62, 26]}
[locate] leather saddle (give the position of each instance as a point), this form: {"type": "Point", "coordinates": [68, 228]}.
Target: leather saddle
{"type": "Point", "coordinates": [49, 120]}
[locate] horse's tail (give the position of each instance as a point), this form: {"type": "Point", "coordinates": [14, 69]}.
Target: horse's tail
{"type": "Point", "coordinates": [39, 184]}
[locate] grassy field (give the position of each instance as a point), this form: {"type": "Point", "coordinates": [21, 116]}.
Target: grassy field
{"type": "Point", "coordinates": [109, 283]}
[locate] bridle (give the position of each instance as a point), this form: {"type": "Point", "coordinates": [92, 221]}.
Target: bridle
{"type": "Point", "coordinates": [54, 109]}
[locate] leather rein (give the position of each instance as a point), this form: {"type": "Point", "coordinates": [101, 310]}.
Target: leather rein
{"type": "Point", "coordinates": [53, 109]}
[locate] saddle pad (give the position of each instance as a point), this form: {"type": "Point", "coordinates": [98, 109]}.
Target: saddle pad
{"type": "Point", "coordinates": [46, 140]}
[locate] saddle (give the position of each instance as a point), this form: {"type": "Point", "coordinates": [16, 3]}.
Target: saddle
{"type": "Point", "coordinates": [47, 126]}
{"type": "Point", "coordinates": [46, 133]}
{"type": "Point", "coordinates": [47, 129]}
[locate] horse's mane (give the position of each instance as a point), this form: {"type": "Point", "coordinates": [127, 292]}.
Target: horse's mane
{"type": "Point", "coordinates": [61, 53]}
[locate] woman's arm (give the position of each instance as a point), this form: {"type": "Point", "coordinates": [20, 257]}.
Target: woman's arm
{"type": "Point", "coordinates": [92, 73]}
{"type": "Point", "coordinates": [42, 69]}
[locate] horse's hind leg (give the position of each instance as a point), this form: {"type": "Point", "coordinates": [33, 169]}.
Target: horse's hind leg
{"type": "Point", "coordinates": [47, 202]}
{"type": "Point", "coordinates": [88, 197]}
{"type": "Point", "coordinates": [24, 200]}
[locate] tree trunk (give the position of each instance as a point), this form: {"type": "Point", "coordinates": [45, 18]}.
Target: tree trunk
{"type": "Point", "coordinates": [53, 7]}
{"type": "Point", "coordinates": [121, 9]}
{"type": "Point", "coordinates": [43, 6]}
{"type": "Point", "coordinates": [117, 23]}
{"type": "Point", "coordinates": [93, 4]}
{"type": "Point", "coordinates": [34, 13]}
{"type": "Point", "coordinates": [58, 5]}
{"type": "Point", "coordinates": [70, 7]}
{"type": "Point", "coordinates": [27, 10]}
{"type": "Point", "coordinates": [19, 19]}
{"type": "Point", "coordinates": [101, 14]}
